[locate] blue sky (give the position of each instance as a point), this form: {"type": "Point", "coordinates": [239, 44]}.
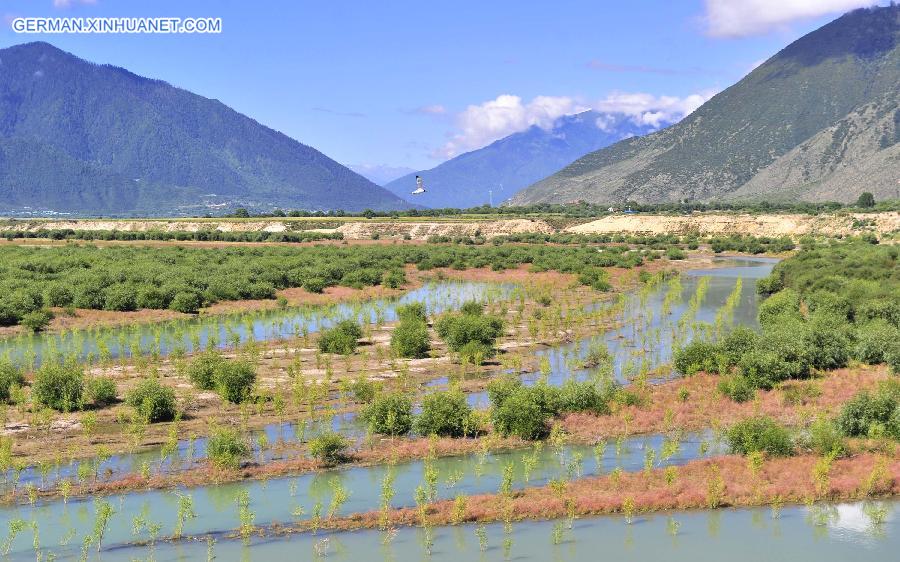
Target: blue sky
{"type": "Point", "coordinates": [410, 83]}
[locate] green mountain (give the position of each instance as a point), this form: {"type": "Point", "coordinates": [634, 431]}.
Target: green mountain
{"type": "Point", "coordinates": [85, 138]}
{"type": "Point", "coordinates": [518, 160]}
{"type": "Point", "coordinates": [817, 121]}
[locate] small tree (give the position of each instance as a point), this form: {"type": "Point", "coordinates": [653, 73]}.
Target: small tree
{"type": "Point", "coordinates": [235, 380]}
{"type": "Point", "coordinates": [410, 338]}
{"type": "Point", "coordinates": [445, 414]}
{"type": "Point", "coordinates": [153, 401]}
{"type": "Point", "coordinates": [759, 434]}
{"type": "Point", "coordinates": [389, 414]}
{"type": "Point", "coordinates": [202, 370]}
{"type": "Point", "coordinates": [38, 320]}
{"type": "Point", "coordinates": [522, 414]}
{"type": "Point", "coordinates": [470, 334]}
{"type": "Point", "coordinates": [10, 376]}
{"type": "Point", "coordinates": [226, 448]}
{"type": "Point", "coordinates": [59, 386]}
{"type": "Point", "coordinates": [866, 200]}
{"type": "Point", "coordinates": [329, 447]}
{"type": "Point", "coordinates": [341, 339]}
{"type": "Point", "coordinates": [101, 391]}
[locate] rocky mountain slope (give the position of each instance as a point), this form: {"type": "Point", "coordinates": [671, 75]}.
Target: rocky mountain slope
{"type": "Point", "coordinates": [817, 121]}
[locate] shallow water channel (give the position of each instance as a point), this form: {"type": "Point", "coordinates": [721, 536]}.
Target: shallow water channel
{"type": "Point", "coordinates": [649, 326]}
{"type": "Point", "coordinates": [821, 533]}
{"type": "Point", "coordinates": [222, 331]}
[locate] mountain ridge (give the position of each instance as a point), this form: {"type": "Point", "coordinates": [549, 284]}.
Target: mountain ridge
{"type": "Point", "coordinates": [805, 88]}
{"type": "Point", "coordinates": [172, 147]}
{"type": "Point", "coordinates": [517, 160]}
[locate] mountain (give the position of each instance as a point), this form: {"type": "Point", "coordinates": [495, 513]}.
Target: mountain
{"type": "Point", "coordinates": [817, 121]}
{"type": "Point", "coordinates": [85, 138]}
{"type": "Point", "coordinates": [516, 161]}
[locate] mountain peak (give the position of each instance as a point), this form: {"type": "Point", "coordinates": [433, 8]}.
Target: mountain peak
{"type": "Point", "coordinates": [497, 171]}
{"type": "Point", "coordinates": [810, 92]}
{"type": "Point", "coordinates": [97, 139]}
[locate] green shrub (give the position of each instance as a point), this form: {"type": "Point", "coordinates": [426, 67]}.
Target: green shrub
{"type": "Point", "coordinates": [738, 388]}
{"type": "Point", "coordinates": [188, 302]}
{"type": "Point", "coordinates": [824, 437]}
{"type": "Point", "coordinates": [389, 414]}
{"type": "Point", "coordinates": [153, 401]}
{"type": "Point", "coordinates": [10, 376]}
{"type": "Point", "coordinates": [460, 330]}
{"type": "Point", "coordinates": [59, 295]}
{"type": "Point", "coordinates": [887, 309]}
{"type": "Point", "coordinates": [764, 369]}
{"type": "Point", "coordinates": [892, 357]}
{"type": "Point", "coordinates": [783, 304]}
{"type": "Point", "coordinates": [769, 285]}
{"type": "Point", "coordinates": [501, 388]}
{"type": "Point", "coordinates": [153, 298]}
{"type": "Point", "coordinates": [826, 302]}
{"type": "Point", "coordinates": [596, 278]}
{"type": "Point", "coordinates": [100, 391]}
{"type": "Point", "coordinates": [341, 339]}
{"type": "Point", "coordinates": [394, 279]}
{"type": "Point", "coordinates": [628, 397]}
{"type": "Point", "coordinates": [364, 391]}
{"type": "Point", "coordinates": [410, 338]}
{"type": "Point", "coordinates": [315, 284]}
{"type": "Point", "coordinates": [674, 253]}
{"type": "Point", "coordinates": [329, 448]}
{"type": "Point", "coordinates": [203, 368]}
{"type": "Point", "coordinates": [36, 321]}
{"type": "Point", "coordinates": [412, 311]}
{"type": "Point", "coordinates": [584, 396]}
{"type": "Point", "coordinates": [523, 413]}
{"type": "Point", "coordinates": [759, 434]}
{"type": "Point", "coordinates": [736, 343]}
{"type": "Point", "coordinates": [226, 448]}
{"type": "Point", "coordinates": [445, 414]}
{"type": "Point", "coordinates": [59, 386]}
{"type": "Point", "coordinates": [870, 415]}
{"type": "Point", "coordinates": [828, 341]}
{"type": "Point", "coordinates": [472, 308]}
{"type": "Point", "coordinates": [873, 340]}
{"type": "Point", "coordinates": [234, 381]}
{"type": "Point", "coordinates": [697, 356]}
{"type": "Point", "coordinates": [119, 297]}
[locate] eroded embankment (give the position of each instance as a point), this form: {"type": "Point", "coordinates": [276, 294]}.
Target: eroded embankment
{"type": "Point", "coordinates": [793, 225]}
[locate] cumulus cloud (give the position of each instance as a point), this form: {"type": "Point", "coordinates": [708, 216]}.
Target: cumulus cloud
{"type": "Point", "coordinates": [480, 125]}
{"type": "Point", "coordinates": [728, 18]}
{"type": "Point", "coordinates": [647, 109]}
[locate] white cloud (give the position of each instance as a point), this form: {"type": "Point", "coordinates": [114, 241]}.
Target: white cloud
{"type": "Point", "coordinates": [647, 109]}
{"type": "Point", "coordinates": [482, 124]}
{"type": "Point", "coordinates": [740, 18]}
